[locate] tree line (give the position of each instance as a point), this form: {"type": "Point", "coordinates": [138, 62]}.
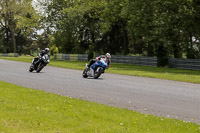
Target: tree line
{"type": "Point", "coordinates": [19, 23]}
{"type": "Point", "coordinates": [157, 28]}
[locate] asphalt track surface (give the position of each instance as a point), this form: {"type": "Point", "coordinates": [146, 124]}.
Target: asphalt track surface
{"type": "Point", "coordinates": [166, 98]}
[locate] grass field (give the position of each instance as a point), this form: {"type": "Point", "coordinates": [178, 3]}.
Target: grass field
{"type": "Point", "coordinates": [127, 69]}
{"type": "Point", "coordinates": [24, 110]}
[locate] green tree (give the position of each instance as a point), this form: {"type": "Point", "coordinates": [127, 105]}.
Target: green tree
{"type": "Point", "coordinates": [19, 18]}
{"type": "Point", "coordinates": [154, 28]}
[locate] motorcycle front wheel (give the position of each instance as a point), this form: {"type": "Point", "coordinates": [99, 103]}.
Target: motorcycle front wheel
{"type": "Point", "coordinates": [31, 68]}
{"type": "Point", "coordinates": [85, 73]}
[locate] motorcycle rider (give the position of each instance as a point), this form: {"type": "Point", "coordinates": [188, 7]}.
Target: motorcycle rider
{"type": "Point", "coordinates": [106, 58]}
{"type": "Point", "coordinates": [41, 53]}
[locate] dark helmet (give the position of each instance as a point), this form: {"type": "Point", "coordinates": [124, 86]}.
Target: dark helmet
{"type": "Point", "coordinates": [46, 50]}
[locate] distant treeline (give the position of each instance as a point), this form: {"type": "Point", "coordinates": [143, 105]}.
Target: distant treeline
{"type": "Point", "coordinates": [156, 28]}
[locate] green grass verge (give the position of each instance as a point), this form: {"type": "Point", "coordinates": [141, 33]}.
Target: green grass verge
{"type": "Point", "coordinates": [127, 69]}
{"type": "Point", "coordinates": [24, 110]}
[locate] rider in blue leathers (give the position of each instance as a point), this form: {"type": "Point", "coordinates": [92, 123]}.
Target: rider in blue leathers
{"type": "Point", "coordinates": [106, 57]}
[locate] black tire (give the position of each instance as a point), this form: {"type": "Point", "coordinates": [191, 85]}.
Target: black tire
{"type": "Point", "coordinates": [85, 74]}
{"type": "Point", "coordinates": [31, 68]}
{"type": "Point", "coordinates": [40, 68]}
{"type": "Point", "coordinates": [97, 74]}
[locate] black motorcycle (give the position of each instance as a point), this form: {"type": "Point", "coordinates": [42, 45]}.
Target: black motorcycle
{"type": "Point", "coordinates": [39, 63]}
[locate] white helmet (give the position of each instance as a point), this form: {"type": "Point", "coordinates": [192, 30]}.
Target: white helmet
{"type": "Point", "coordinates": [108, 56]}
{"type": "Point", "coordinates": [46, 50]}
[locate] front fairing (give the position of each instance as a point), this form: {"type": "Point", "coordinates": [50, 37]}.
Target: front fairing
{"type": "Point", "coordinates": [46, 59]}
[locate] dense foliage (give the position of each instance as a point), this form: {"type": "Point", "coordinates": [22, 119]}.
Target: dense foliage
{"type": "Point", "coordinates": [154, 28]}
{"type": "Point", "coordinates": [18, 25]}
{"type": "Point", "coordinates": [161, 28]}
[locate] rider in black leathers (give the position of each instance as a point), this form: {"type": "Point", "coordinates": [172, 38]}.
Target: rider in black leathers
{"type": "Point", "coordinates": [42, 53]}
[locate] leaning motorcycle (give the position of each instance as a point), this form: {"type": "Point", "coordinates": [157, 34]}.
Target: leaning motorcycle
{"type": "Point", "coordinates": [96, 69]}
{"type": "Point", "coordinates": [38, 64]}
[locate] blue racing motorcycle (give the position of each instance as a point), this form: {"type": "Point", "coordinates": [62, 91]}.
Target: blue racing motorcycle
{"type": "Point", "coordinates": [95, 69]}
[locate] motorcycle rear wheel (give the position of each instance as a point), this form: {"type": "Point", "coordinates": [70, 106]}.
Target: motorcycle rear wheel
{"type": "Point", "coordinates": [98, 74]}
{"type": "Point", "coordinates": [40, 68]}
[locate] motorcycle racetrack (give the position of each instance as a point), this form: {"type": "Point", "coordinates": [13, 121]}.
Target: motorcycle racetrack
{"type": "Point", "coordinates": [166, 98]}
